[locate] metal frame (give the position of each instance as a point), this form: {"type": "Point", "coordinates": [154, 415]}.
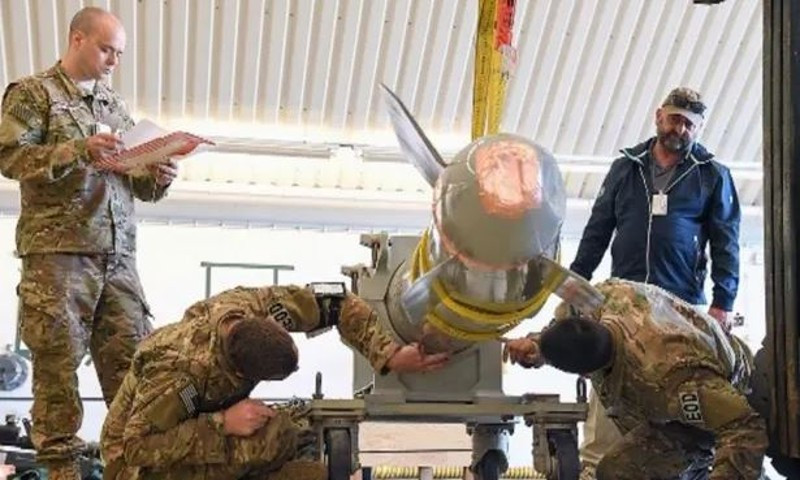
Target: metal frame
{"type": "Point", "coordinates": [276, 269]}
{"type": "Point", "coordinates": [544, 412]}
{"type": "Point", "coordinates": [782, 220]}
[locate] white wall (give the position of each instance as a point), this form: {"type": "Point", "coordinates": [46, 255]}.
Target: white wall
{"type": "Point", "coordinates": [169, 265]}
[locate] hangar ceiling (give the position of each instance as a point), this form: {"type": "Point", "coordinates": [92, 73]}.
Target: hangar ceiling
{"type": "Point", "coordinates": [289, 89]}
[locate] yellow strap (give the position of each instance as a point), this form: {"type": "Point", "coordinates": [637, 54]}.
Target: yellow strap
{"type": "Point", "coordinates": [481, 312]}
{"type": "Point", "coordinates": [483, 65]}
{"type": "Point", "coordinates": [497, 94]}
{"type": "Point", "coordinates": [490, 75]}
{"type": "Point", "coordinates": [475, 312]}
{"type": "Point", "coordinates": [493, 307]}
{"type": "Point", "coordinates": [460, 334]}
{"type": "Point", "coordinates": [420, 265]}
{"type": "Point", "coordinates": [469, 311]}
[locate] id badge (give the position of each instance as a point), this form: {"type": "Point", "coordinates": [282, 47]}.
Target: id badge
{"type": "Point", "coordinates": [659, 205]}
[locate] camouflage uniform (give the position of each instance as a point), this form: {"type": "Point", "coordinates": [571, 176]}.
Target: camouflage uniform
{"type": "Point", "coordinates": [76, 236]}
{"type": "Point", "coordinates": [166, 422]}
{"type": "Point", "coordinates": [676, 390]}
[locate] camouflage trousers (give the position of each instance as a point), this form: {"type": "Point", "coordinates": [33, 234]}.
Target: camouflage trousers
{"type": "Point", "coordinates": [284, 449]}
{"type": "Point", "coordinates": [68, 305]}
{"type": "Point", "coordinates": [301, 462]}
{"type": "Point", "coordinates": [599, 434]}
{"type": "Point", "coordinates": [658, 452]}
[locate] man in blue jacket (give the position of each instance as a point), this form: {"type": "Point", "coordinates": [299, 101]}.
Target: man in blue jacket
{"type": "Point", "coordinates": [664, 201]}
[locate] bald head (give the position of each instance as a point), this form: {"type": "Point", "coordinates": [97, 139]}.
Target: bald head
{"type": "Point", "coordinates": [96, 42]}
{"type": "Point", "coordinates": [89, 18]}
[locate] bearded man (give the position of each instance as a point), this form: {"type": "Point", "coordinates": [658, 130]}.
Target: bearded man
{"type": "Point", "coordinates": [664, 201]}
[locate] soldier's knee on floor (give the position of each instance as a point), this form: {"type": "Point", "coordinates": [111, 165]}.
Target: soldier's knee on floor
{"type": "Point", "coordinates": [63, 471]}
{"type": "Point", "coordinates": [300, 470]}
{"type": "Point", "coordinates": [603, 472]}
{"type": "Point", "coordinates": [611, 470]}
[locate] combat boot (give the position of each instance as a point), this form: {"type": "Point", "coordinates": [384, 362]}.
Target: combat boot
{"type": "Point", "coordinates": [300, 470]}
{"type": "Point", "coordinates": [63, 471]}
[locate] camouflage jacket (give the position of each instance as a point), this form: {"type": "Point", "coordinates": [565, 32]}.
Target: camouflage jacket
{"type": "Point", "coordinates": [668, 362]}
{"type": "Point", "coordinates": [67, 205]}
{"type": "Point", "coordinates": [163, 415]}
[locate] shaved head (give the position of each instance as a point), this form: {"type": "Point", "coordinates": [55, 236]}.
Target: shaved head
{"type": "Point", "coordinates": [87, 19]}
{"type": "Point", "coordinates": [96, 43]}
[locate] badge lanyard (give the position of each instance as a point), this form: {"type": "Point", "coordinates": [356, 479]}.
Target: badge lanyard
{"type": "Point", "coordinates": [659, 205]}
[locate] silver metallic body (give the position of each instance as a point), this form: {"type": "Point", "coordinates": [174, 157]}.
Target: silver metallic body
{"type": "Point", "coordinates": [480, 246]}
{"type": "Point", "coordinates": [484, 264]}
{"type": "Point", "coordinates": [468, 390]}
{"type": "Point", "coordinates": [472, 374]}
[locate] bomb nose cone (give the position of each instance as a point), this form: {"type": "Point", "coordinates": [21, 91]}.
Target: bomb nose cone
{"type": "Point", "coordinates": [482, 266]}
{"type": "Point", "coordinates": [508, 176]}
{"type": "Point", "coordinates": [500, 203]}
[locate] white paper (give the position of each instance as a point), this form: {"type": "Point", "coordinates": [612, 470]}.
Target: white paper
{"type": "Point", "coordinates": [144, 131]}
{"type": "Point", "coordinates": [148, 144]}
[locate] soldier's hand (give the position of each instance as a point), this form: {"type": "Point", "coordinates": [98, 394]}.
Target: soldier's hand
{"type": "Point", "coordinates": [722, 317]}
{"type": "Point", "coordinates": [523, 351]}
{"type": "Point", "coordinates": [103, 145]}
{"type": "Point", "coordinates": [165, 172]}
{"type": "Point", "coordinates": [245, 417]}
{"type": "Point", "coordinates": [412, 358]}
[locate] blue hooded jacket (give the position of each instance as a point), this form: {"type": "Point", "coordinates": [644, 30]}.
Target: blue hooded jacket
{"type": "Point", "coordinates": [667, 250]}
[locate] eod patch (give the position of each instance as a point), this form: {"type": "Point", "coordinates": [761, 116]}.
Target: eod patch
{"type": "Point", "coordinates": [281, 315]}
{"type": "Point", "coordinates": [690, 407]}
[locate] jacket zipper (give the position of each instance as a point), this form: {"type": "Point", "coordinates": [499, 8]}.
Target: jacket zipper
{"type": "Point", "coordinates": [649, 225]}
{"type": "Point", "coordinates": [647, 195]}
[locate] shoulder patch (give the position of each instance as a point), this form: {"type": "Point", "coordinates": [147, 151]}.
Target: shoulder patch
{"type": "Point", "coordinates": [8, 90]}
{"type": "Point", "coordinates": [172, 406]}
{"type": "Point", "coordinates": [22, 104]}
{"type": "Point", "coordinates": [23, 113]}
{"type": "Point", "coordinates": [690, 407]}
{"type": "Point", "coordinates": [189, 398]}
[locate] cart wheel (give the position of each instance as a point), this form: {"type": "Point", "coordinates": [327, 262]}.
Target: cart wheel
{"type": "Point", "coordinates": [339, 452]}
{"type": "Point", "coordinates": [489, 466]}
{"type": "Point", "coordinates": [30, 475]}
{"type": "Point", "coordinates": [564, 453]}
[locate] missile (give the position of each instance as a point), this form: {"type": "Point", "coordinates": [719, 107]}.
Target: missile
{"type": "Point", "coordinates": [489, 258]}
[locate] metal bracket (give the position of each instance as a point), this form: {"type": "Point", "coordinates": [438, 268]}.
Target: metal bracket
{"type": "Point", "coordinates": [378, 243]}
{"type": "Point", "coordinates": [276, 269]}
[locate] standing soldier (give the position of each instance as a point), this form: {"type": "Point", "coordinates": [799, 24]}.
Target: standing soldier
{"type": "Point", "coordinates": [672, 380]}
{"type": "Point", "coordinates": [183, 411]}
{"type": "Point", "coordinates": [76, 233]}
